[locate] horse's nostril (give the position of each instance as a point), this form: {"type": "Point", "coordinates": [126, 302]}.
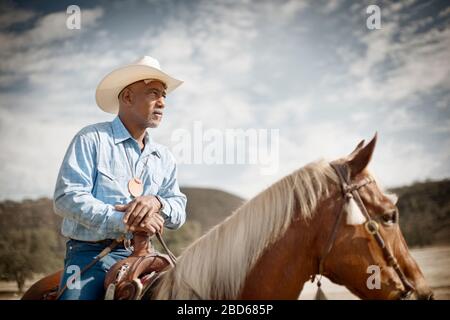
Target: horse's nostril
{"type": "Point", "coordinates": [409, 295]}
{"type": "Point", "coordinates": [426, 296]}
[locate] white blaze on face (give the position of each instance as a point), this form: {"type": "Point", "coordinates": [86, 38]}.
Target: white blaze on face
{"type": "Point", "coordinates": [354, 214]}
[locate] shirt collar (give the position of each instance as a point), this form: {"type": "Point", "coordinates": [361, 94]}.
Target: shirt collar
{"type": "Point", "coordinates": [120, 134]}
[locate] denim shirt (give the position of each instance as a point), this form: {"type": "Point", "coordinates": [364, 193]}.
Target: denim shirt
{"type": "Point", "coordinates": [94, 178]}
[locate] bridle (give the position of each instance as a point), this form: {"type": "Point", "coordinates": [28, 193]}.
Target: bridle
{"type": "Point", "coordinates": [350, 190]}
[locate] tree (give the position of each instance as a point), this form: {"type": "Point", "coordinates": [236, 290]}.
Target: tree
{"type": "Point", "coordinates": [24, 252]}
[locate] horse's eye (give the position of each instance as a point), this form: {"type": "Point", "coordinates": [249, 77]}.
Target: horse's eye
{"type": "Point", "coordinates": [389, 218]}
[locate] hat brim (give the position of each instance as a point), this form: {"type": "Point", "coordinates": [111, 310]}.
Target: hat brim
{"type": "Point", "coordinates": [109, 88]}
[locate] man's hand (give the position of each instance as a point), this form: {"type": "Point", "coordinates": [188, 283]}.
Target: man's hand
{"type": "Point", "coordinates": [152, 224]}
{"type": "Point", "coordinates": [139, 212]}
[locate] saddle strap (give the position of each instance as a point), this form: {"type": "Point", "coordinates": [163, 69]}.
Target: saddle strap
{"type": "Point", "coordinates": [166, 248]}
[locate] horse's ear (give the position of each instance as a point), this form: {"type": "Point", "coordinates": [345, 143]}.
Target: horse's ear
{"type": "Point", "coordinates": [359, 146]}
{"type": "Point", "coordinates": [360, 157]}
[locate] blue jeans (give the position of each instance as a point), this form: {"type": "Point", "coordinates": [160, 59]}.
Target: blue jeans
{"type": "Point", "coordinates": [88, 286]}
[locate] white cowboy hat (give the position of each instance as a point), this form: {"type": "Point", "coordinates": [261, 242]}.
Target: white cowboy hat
{"type": "Point", "coordinates": [112, 84]}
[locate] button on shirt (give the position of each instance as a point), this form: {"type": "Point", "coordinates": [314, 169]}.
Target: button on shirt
{"type": "Point", "coordinates": [94, 178]}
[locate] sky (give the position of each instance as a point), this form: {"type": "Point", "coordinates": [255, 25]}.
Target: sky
{"type": "Point", "coordinates": [312, 71]}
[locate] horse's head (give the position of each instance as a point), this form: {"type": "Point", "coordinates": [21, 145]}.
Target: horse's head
{"type": "Point", "coordinates": [358, 221]}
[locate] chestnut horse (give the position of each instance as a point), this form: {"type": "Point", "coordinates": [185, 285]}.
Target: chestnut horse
{"type": "Point", "coordinates": [293, 231]}
{"type": "Point", "coordinates": [275, 242]}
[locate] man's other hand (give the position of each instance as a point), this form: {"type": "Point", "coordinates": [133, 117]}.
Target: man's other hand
{"type": "Point", "coordinates": [139, 212]}
{"type": "Point", "coordinates": [151, 224]}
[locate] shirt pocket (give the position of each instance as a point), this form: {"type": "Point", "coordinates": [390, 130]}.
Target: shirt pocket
{"type": "Point", "coordinates": [110, 186]}
{"type": "Point", "coordinates": [105, 172]}
{"type": "Point", "coordinates": [157, 180]}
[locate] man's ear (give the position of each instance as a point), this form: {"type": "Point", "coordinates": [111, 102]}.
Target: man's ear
{"type": "Point", "coordinates": [126, 96]}
{"type": "Point", "coordinates": [361, 156]}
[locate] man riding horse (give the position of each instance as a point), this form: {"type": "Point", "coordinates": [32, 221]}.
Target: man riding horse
{"type": "Point", "coordinates": [115, 181]}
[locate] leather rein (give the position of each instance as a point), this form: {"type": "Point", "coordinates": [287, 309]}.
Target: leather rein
{"type": "Point", "coordinates": [350, 190]}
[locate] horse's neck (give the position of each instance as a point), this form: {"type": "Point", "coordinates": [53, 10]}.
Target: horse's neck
{"type": "Point", "coordinates": [284, 266]}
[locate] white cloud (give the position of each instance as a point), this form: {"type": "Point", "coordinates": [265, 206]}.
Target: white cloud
{"type": "Point", "coordinates": [419, 63]}
{"type": "Point", "coordinates": [331, 6]}
{"type": "Point", "coordinates": [10, 16]}
{"type": "Point", "coordinates": [49, 28]}
{"type": "Point", "coordinates": [292, 7]}
{"type": "Point", "coordinates": [30, 165]}
{"type": "Point", "coordinates": [379, 44]}
{"type": "Point", "coordinates": [399, 164]}
{"type": "Point", "coordinates": [444, 13]}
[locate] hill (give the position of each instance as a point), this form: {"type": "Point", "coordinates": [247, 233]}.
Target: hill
{"type": "Point", "coordinates": [209, 206]}
{"type": "Point", "coordinates": [425, 212]}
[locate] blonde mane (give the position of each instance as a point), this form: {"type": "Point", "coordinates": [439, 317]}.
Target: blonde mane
{"type": "Point", "coordinates": [215, 265]}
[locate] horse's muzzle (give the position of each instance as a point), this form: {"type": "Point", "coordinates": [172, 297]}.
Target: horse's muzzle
{"type": "Point", "coordinates": [414, 295]}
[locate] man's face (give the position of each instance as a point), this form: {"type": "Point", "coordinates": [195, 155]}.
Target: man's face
{"type": "Point", "coordinates": [145, 102]}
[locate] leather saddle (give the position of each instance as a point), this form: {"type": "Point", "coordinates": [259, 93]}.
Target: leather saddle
{"type": "Point", "coordinates": [130, 278]}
